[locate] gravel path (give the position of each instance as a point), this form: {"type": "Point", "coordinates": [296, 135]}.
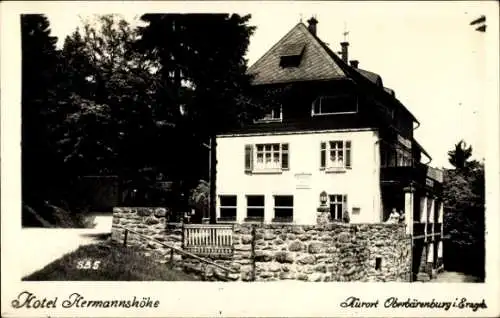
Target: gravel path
{"type": "Point", "coordinates": [454, 277]}
{"type": "Point", "coordinates": [41, 247]}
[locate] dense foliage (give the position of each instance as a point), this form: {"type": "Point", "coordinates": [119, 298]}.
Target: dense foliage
{"type": "Point", "coordinates": [134, 102]}
{"type": "Point", "coordinates": [464, 219]}
{"type": "Point", "coordinates": [458, 157]}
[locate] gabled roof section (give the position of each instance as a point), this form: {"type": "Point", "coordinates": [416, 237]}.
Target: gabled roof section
{"type": "Point", "coordinates": [374, 77]}
{"type": "Point", "coordinates": [315, 63]}
{"type": "Point", "coordinates": [362, 79]}
{"type": "Point", "coordinates": [292, 49]}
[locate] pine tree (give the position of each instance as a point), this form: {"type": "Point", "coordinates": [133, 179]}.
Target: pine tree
{"type": "Point", "coordinates": [458, 157]}
{"type": "Point", "coordinates": [39, 62]}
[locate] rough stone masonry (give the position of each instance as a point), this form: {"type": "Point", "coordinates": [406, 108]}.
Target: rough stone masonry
{"type": "Point", "coordinates": [333, 252]}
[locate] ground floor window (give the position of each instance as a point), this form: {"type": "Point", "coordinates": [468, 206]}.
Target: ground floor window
{"type": "Point", "coordinates": [255, 208]}
{"type": "Point", "coordinates": [227, 207]}
{"type": "Point", "coordinates": [283, 208]}
{"type": "Point", "coordinates": [338, 204]}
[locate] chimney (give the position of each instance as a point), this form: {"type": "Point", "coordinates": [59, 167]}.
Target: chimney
{"type": "Point", "coordinates": [355, 63]}
{"type": "Point", "coordinates": [343, 53]}
{"type": "Point", "coordinates": [312, 25]}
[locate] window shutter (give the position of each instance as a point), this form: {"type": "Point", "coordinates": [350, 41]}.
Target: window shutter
{"type": "Point", "coordinates": [323, 156]}
{"type": "Point", "coordinates": [344, 204]}
{"type": "Point", "coordinates": [348, 154]}
{"type": "Point", "coordinates": [314, 107]}
{"type": "Point", "coordinates": [248, 158]}
{"type": "Point", "coordinates": [285, 157]}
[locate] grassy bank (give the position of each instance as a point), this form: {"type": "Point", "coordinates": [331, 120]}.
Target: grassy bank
{"type": "Point", "coordinates": [108, 262]}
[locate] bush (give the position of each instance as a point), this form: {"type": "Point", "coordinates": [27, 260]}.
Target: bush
{"type": "Point", "coordinates": [199, 198]}
{"type": "Point", "coordinates": [51, 215]}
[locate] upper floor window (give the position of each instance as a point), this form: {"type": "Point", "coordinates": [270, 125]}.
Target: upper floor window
{"type": "Point", "coordinates": [271, 157]}
{"type": "Point", "coordinates": [337, 104]}
{"type": "Point", "coordinates": [335, 155]}
{"type": "Point", "coordinates": [387, 111]}
{"type": "Point", "coordinates": [393, 156]}
{"type": "Point", "coordinates": [275, 114]}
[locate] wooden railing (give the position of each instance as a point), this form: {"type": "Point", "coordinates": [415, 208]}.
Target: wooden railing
{"type": "Point", "coordinates": [173, 250]}
{"type": "Point", "coordinates": [209, 239]}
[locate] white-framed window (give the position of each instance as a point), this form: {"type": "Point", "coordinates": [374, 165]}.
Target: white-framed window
{"type": "Point", "coordinates": [336, 155]}
{"type": "Point", "coordinates": [335, 105]}
{"type": "Point", "coordinates": [255, 208]}
{"type": "Point", "coordinates": [227, 207]}
{"type": "Point", "coordinates": [338, 204]}
{"type": "Point", "coordinates": [407, 160]}
{"type": "Point", "coordinates": [394, 156]}
{"type": "Point", "coordinates": [283, 208]}
{"type": "Point", "coordinates": [269, 157]}
{"type": "Point", "coordinates": [274, 115]}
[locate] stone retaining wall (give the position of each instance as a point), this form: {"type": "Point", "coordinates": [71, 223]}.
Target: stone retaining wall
{"type": "Point", "coordinates": [335, 252]}
{"type": "Point", "coordinates": [332, 252]}
{"type": "Point", "coordinates": [150, 222]}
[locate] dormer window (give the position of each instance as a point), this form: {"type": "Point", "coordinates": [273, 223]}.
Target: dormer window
{"type": "Point", "coordinates": [334, 105]}
{"type": "Point", "coordinates": [291, 55]}
{"type": "Point", "coordinates": [275, 115]}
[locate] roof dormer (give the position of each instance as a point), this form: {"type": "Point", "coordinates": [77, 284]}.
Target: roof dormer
{"type": "Point", "coordinates": [291, 54]}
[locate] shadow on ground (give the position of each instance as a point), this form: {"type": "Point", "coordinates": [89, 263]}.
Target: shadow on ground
{"type": "Point", "coordinates": [97, 236]}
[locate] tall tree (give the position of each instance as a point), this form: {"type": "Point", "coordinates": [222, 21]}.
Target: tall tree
{"type": "Point", "coordinates": [202, 69]}
{"type": "Point", "coordinates": [111, 123]}
{"type": "Point", "coordinates": [458, 157]}
{"type": "Point", "coordinates": [39, 62]}
{"type": "Point", "coordinates": [464, 219]}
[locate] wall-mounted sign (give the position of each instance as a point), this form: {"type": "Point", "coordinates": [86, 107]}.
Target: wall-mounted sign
{"type": "Point", "coordinates": [303, 180]}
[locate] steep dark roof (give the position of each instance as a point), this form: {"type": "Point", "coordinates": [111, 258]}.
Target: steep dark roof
{"type": "Point", "coordinates": [373, 77]}
{"type": "Point", "coordinates": [318, 62]}
{"type": "Point", "coordinates": [390, 91]}
{"type": "Point", "coordinates": [419, 146]}
{"type": "Point", "coordinates": [315, 63]}
{"type": "Point", "coordinates": [363, 80]}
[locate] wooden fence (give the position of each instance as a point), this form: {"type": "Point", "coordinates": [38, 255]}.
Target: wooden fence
{"type": "Point", "coordinates": [209, 239]}
{"type": "Point", "coordinates": [174, 250]}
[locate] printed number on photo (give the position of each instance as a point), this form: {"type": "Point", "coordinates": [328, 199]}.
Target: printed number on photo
{"type": "Point", "coordinates": [88, 264]}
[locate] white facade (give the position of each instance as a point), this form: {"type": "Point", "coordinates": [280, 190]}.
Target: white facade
{"type": "Point", "coordinates": [304, 178]}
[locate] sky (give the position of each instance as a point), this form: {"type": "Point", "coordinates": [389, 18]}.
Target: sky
{"type": "Point", "coordinates": [425, 51]}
